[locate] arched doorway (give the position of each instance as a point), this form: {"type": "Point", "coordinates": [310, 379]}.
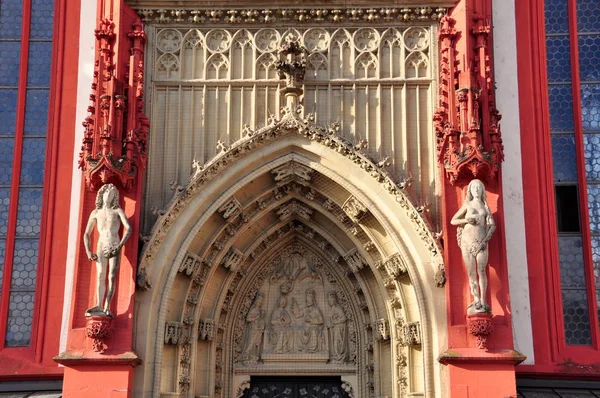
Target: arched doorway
{"type": "Point", "coordinates": [299, 218]}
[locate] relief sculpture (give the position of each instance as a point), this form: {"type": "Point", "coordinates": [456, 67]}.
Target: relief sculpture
{"type": "Point", "coordinates": [281, 335]}
{"type": "Point", "coordinates": [255, 327]}
{"type": "Point", "coordinates": [338, 331]}
{"type": "Point", "coordinates": [296, 316]}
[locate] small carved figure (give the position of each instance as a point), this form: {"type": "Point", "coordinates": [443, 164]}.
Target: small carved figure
{"type": "Point", "coordinates": [337, 329]}
{"type": "Point", "coordinates": [475, 228]}
{"type": "Point", "coordinates": [281, 335]}
{"type": "Point", "coordinates": [108, 216]}
{"type": "Point", "coordinates": [255, 320]}
{"type": "Point", "coordinates": [312, 338]}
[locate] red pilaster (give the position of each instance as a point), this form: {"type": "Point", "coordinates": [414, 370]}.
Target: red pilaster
{"type": "Point", "coordinates": [113, 151]}
{"type": "Point", "coordinates": [480, 355]}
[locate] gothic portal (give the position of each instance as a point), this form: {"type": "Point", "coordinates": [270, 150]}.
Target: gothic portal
{"type": "Point", "coordinates": [292, 247]}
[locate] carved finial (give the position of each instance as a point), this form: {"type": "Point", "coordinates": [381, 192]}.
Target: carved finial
{"type": "Point", "coordinates": [292, 67]}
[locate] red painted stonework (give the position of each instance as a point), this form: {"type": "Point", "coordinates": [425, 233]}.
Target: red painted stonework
{"type": "Point", "coordinates": [99, 357]}
{"type": "Point", "coordinates": [469, 146]}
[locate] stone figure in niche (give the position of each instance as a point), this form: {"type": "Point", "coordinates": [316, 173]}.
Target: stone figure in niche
{"type": "Point", "coordinates": [281, 334]}
{"type": "Point", "coordinates": [338, 331]}
{"type": "Point", "coordinates": [312, 336]}
{"type": "Point", "coordinates": [108, 217]}
{"type": "Point", "coordinates": [255, 327]}
{"type": "Point", "coordinates": [475, 228]}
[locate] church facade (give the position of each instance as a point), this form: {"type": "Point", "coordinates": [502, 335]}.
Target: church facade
{"type": "Point", "coordinates": [254, 199]}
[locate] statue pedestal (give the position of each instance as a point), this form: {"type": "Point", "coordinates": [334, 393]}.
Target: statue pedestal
{"type": "Point", "coordinates": [481, 326]}
{"type": "Point", "coordinates": [98, 328]}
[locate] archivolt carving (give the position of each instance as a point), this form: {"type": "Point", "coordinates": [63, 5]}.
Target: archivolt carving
{"type": "Point", "coordinates": [291, 123]}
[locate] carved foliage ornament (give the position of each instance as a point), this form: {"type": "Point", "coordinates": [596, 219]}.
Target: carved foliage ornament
{"type": "Point", "coordinates": [116, 128]}
{"type": "Point", "coordinates": [467, 124]}
{"type": "Point", "coordinates": [303, 16]}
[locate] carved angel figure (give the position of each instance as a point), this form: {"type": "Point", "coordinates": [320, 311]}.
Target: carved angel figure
{"type": "Point", "coordinates": [475, 228]}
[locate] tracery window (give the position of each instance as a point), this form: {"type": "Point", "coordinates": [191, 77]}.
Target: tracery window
{"type": "Point", "coordinates": [25, 56]}
{"type": "Point", "coordinates": [207, 83]}
{"type": "Point", "coordinates": [573, 49]}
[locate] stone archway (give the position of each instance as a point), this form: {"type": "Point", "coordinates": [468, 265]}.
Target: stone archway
{"type": "Point", "coordinates": [290, 184]}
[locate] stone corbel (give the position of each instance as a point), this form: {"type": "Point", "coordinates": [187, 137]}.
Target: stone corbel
{"type": "Point", "coordinates": [232, 259]}
{"type": "Point", "coordinates": [355, 210]}
{"type": "Point", "coordinates": [98, 328]}
{"type": "Point", "coordinates": [172, 333]}
{"type": "Point", "coordinates": [381, 328]}
{"type": "Point", "coordinates": [292, 172]}
{"type": "Point", "coordinates": [230, 209]}
{"type": "Point", "coordinates": [206, 329]}
{"type": "Point", "coordinates": [190, 264]}
{"type": "Point", "coordinates": [355, 261]}
{"type": "Point", "coordinates": [395, 266]}
{"type": "Point", "coordinates": [412, 334]}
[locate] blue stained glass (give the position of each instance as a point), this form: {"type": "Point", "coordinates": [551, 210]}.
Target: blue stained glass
{"type": "Point", "coordinates": [38, 70]}
{"type": "Point", "coordinates": [6, 160]}
{"type": "Point", "coordinates": [11, 15]}
{"type": "Point", "coordinates": [36, 112]}
{"type": "Point", "coordinates": [563, 158]}
{"type": "Point", "coordinates": [561, 107]}
{"type": "Point", "coordinates": [558, 59]}
{"type": "Point", "coordinates": [588, 15]}
{"type": "Point", "coordinates": [557, 16]}
{"type": "Point", "coordinates": [8, 111]}
{"type": "Point", "coordinates": [589, 57]}
{"type": "Point", "coordinates": [20, 316]}
{"type": "Point", "coordinates": [590, 107]}
{"type": "Point", "coordinates": [594, 207]}
{"type": "Point", "coordinates": [4, 202]}
{"type": "Point", "coordinates": [591, 151]}
{"type": "Point", "coordinates": [2, 251]}
{"type": "Point", "coordinates": [10, 52]}
{"type": "Point", "coordinates": [574, 294]}
{"type": "Point", "coordinates": [32, 161]}
{"type": "Point", "coordinates": [42, 15]}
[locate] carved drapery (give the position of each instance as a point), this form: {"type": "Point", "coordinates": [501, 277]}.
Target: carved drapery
{"type": "Point", "coordinates": [467, 123]}
{"type": "Point", "coordinates": [116, 128]}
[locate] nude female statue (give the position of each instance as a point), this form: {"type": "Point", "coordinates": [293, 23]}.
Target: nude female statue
{"type": "Point", "coordinates": [108, 216]}
{"type": "Point", "coordinates": [475, 228]}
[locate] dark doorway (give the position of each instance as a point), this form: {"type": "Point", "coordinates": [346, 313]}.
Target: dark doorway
{"type": "Point", "coordinates": [295, 387]}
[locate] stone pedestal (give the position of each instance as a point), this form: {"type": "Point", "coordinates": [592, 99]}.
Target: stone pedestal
{"type": "Point", "coordinates": [480, 326]}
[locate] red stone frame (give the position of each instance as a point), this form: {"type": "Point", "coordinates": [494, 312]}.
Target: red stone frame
{"type": "Point", "coordinates": [552, 354]}
{"type": "Point", "coordinates": [36, 359]}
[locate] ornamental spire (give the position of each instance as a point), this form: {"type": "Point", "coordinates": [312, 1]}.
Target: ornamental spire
{"type": "Point", "coordinates": [292, 67]}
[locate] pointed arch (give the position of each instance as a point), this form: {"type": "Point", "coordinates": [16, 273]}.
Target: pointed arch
{"type": "Point", "coordinates": [355, 207]}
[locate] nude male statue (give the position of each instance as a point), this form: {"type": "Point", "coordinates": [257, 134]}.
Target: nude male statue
{"type": "Point", "coordinates": [108, 216]}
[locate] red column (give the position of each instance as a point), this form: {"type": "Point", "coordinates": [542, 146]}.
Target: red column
{"type": "Point", "coordinates": [99, 359]}
{"type": "Point", "coordinates": [469, 146]}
